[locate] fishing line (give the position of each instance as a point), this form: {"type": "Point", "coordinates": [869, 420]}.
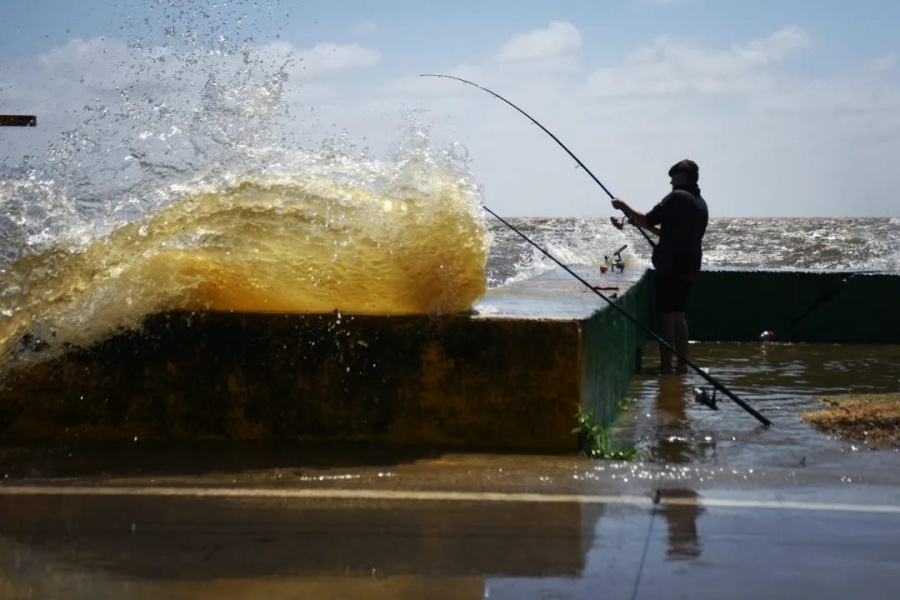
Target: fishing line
{"type": "Point", "coordinates": [709, 378]}
{"type": "Point", "coordinates": [555, 139]}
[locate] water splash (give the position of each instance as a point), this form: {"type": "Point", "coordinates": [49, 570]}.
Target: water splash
{"type": "Point", "coordinates": [173, 184]}
{"type": "Point", "coordinates": [309, 243]}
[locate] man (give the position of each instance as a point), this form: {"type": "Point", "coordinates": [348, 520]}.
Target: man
{"type": "Point", "coordinates": [680, 221]}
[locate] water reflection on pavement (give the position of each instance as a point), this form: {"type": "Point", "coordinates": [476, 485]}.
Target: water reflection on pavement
{"type": "Point", "coordinates": [716, 507]}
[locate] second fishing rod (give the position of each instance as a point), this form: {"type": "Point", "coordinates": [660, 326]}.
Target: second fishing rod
{"type": "Point", "coordinates": [714, 382]}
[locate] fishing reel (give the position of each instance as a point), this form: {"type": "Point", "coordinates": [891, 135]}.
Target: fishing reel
{"type": "Point", "coordinates": [615, 260]}
{"type": "Point", "coordinates": [620, 223]}
{"type": "Point", "coordinates": [703, 397]}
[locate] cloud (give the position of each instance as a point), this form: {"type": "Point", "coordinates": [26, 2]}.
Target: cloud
{"type": "Point", "coordinates": [741, 109]}
{"type": "Point", "coordinates": [557, 39]}
{"type": "Point", "coordinates": [763, 131]}
{"type": "Point", "coordinates": [418, 86]}
{"type": "Point", "coordinates": [883, 63]}
{"type": "Point", "coordinates": [364, 28]}
{"type": "Point", "coordinates": [774, 48]}
{"type": "Point", "coordinates": [674, 66]}
{"type": "Point", "coordinates": [327, 59]}
{"type": "Point", "coordinates": [83, 60]}
{"type": "Point", "coordinates": [100, 101]}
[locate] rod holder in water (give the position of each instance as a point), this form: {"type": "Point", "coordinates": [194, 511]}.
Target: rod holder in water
{"type": "Point", "coordinates": [616, 262]}
{"type": "Point", "coordinates": [18, 121]}
{"type": "Point", "coordinates": [703, 397]}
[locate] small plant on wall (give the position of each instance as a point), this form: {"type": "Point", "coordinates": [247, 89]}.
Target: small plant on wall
{"type": "Point", "coordinates": [593, 438]}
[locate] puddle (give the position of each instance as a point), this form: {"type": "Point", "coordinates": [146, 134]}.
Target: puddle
{"type": "Point", "coordinates": [781, 381]}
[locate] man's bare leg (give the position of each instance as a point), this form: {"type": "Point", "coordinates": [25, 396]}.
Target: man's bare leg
{"type": "Point", "coordinates": [680, 337]}
{"type": "Point", "coordinates": [667, 332]}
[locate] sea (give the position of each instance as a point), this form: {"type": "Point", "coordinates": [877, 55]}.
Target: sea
{"type": "Point", "coordinates": [815, 243]}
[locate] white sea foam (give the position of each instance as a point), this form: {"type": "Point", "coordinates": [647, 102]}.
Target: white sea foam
{"type": "Point", "coordinates": [861, 244]}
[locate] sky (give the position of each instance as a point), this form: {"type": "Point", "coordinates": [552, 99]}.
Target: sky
{"type": "Point", "coordinates": [791, 108]}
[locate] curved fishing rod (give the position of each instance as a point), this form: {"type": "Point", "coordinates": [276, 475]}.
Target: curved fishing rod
{"type": "Point", "coordinates": [643, 327]}
{"type": "Point", "coordinates": [555, 139]}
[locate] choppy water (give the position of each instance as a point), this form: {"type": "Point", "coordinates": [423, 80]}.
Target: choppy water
{"type": "Point", "coordinates": [871, 244]}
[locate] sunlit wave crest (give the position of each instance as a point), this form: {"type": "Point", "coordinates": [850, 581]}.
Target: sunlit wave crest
{"type": "Point", "coordinates": [299, 244]}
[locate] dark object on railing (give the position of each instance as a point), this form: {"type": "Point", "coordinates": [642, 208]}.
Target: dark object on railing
{"type": "Point", "coordinates": [18, 121]}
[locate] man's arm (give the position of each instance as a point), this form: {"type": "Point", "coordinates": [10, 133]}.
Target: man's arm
{"type": "Point", "coordinates": [636, 217]}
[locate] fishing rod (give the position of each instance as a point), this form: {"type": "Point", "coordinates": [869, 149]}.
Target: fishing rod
{"type": "Point", "coordinates": [709, 378]}
{"type": "Point", "coordinates": [555, 139]}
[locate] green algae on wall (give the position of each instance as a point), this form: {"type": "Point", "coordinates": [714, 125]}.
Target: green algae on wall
{"type": "Point", "coordinates": [613, 346]}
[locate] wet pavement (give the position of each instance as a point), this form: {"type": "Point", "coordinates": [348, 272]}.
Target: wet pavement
{"type": "Point", "coordinates": [557, 294]}
{"type": "Point", "coordinates": [107, 547]}
{"type": "Point", "coordinates": [716, 507]}
{"type": "Point", "coordinates": [279, 523]}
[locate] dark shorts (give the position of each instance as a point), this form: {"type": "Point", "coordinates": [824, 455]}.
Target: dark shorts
{"type": "Point", "coordinates": [672, 292]}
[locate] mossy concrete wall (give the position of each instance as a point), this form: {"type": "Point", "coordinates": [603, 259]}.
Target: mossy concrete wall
{"type": "Point", "coordinates": [443, 380]}
{"type": "Point", "coordinates": [458, 380]}
{"type": "Point", "coordinates": [800, 306]}
{"type": "Point", "coordinates": [613, 350]}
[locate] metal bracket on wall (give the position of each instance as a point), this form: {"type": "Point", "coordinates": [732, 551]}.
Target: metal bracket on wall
{"type": "Point", "coordinates": [18, 121]}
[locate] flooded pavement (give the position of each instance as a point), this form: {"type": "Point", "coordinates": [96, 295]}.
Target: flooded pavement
{"type": "Point", "coordinates": [779, 380]}
{"type": "Point", "coordinates": [305, 541]}
{"type": "Point", "coordinates": [716, 506]}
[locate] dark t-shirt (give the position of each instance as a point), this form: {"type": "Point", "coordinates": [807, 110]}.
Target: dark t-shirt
{"type": "Point", "coordinates": [682, 217]}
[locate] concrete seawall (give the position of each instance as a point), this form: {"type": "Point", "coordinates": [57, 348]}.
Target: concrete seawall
{"type": "Point", "coordinates": [511, 376]}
